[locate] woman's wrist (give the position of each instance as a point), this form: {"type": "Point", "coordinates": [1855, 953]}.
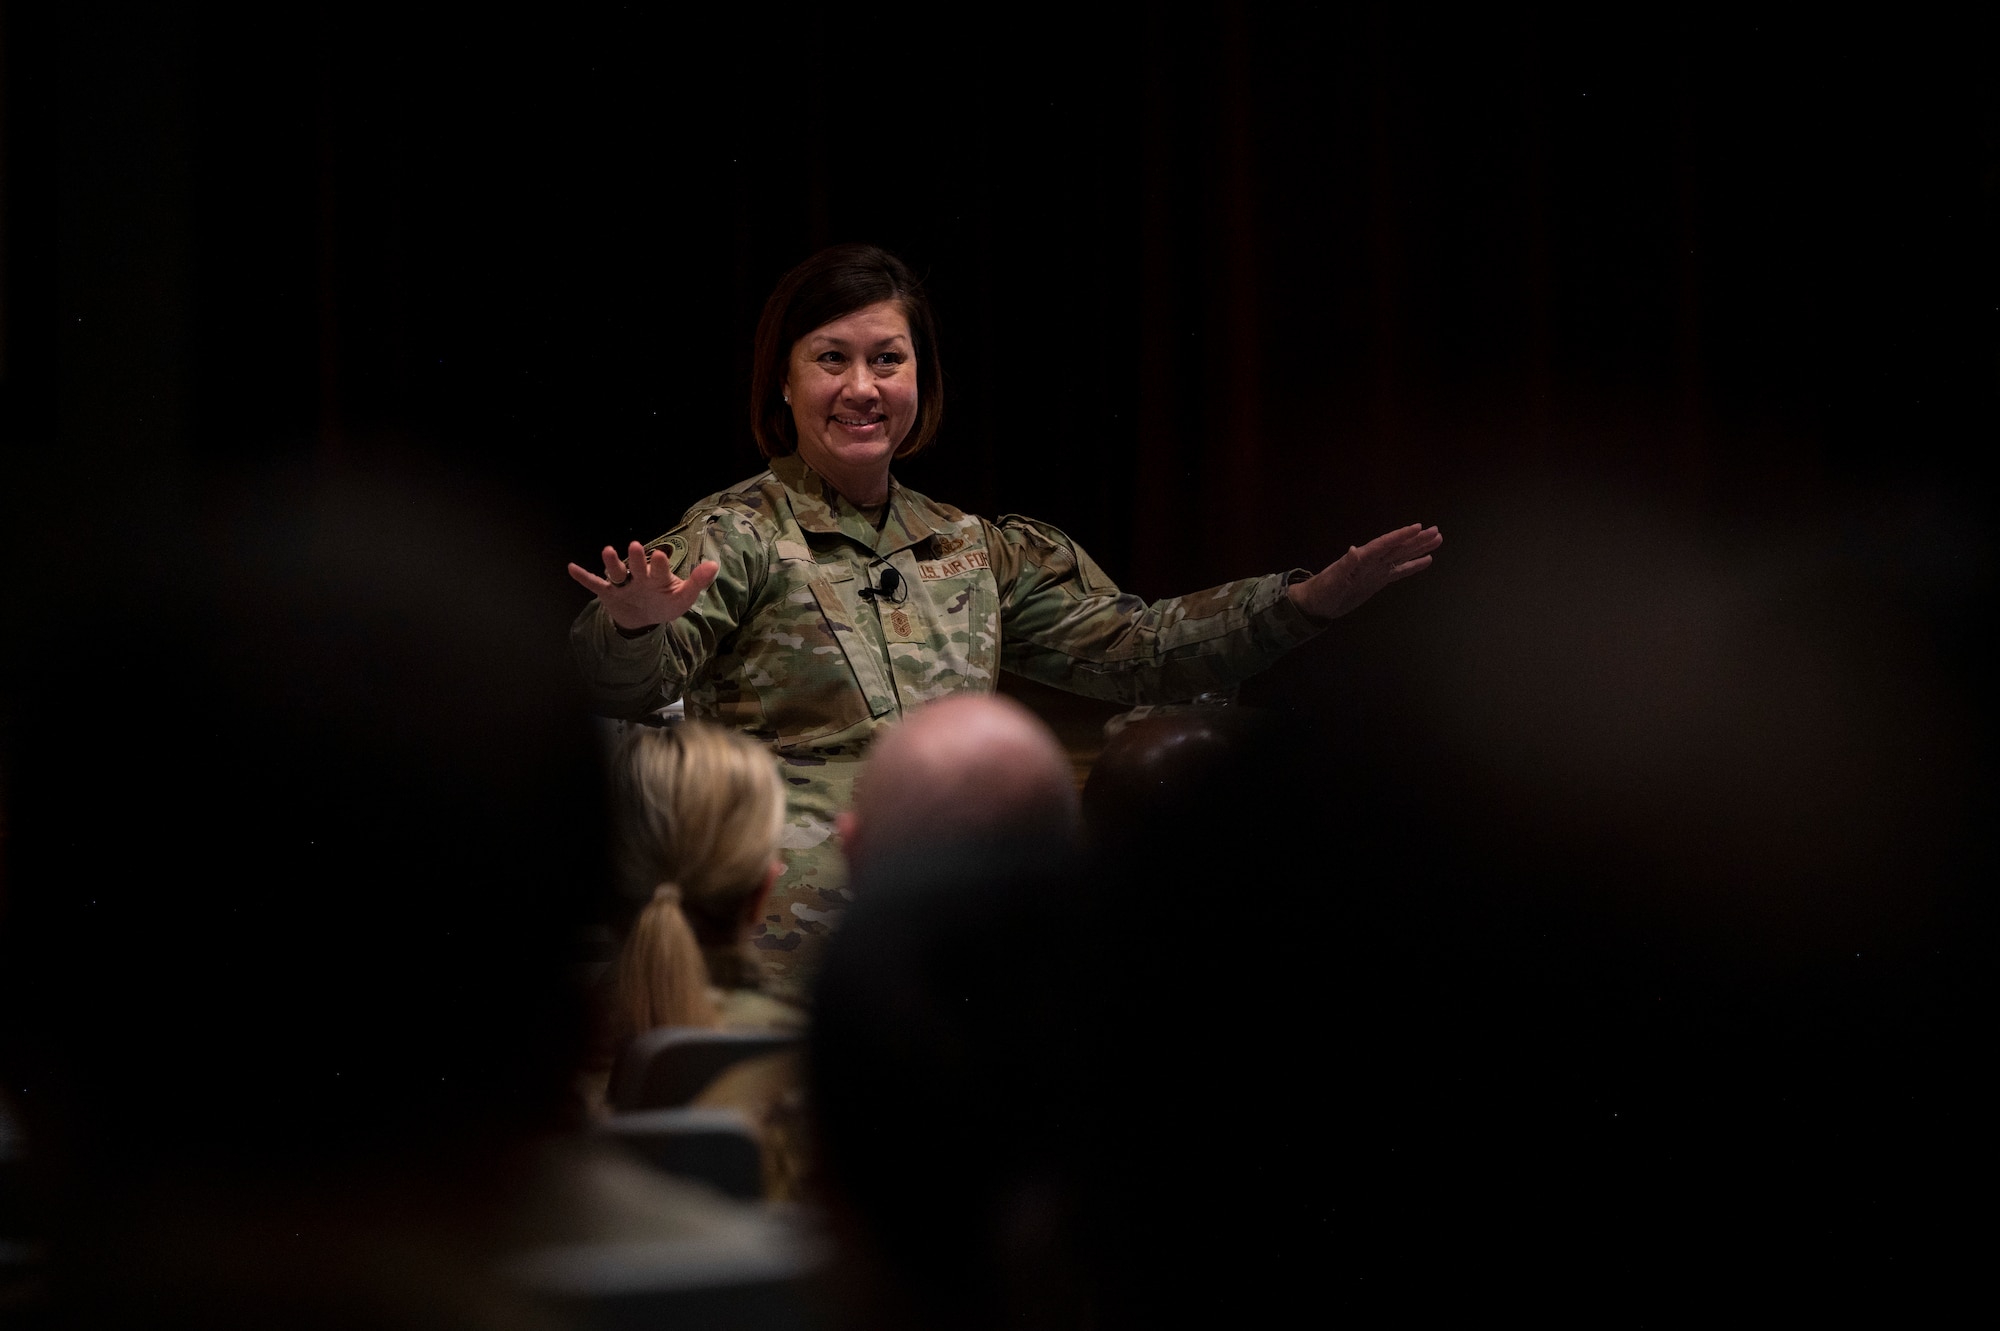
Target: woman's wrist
{"type": "Point", "coordinates": [1295, 592]}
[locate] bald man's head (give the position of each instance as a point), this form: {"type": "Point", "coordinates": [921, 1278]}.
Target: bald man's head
{"type": "Point", "coordinates": [969, 767]}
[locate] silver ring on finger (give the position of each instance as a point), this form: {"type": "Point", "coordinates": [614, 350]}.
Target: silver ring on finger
{"type": "Point", "coordinates": [628, 578]}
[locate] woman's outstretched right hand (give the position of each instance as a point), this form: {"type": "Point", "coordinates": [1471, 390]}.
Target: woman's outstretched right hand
{"type": "Point", "coordinates": [641, 590]}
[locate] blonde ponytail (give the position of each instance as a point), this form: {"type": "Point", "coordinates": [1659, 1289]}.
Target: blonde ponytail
{"type": "Point", "coordinates": [659, 978]}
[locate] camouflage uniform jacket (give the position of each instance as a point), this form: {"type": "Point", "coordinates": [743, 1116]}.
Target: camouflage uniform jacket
{"type": "Point", "coordinates": [784, 647]}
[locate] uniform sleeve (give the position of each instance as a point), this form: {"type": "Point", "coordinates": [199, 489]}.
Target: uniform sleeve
{"type": "Point", "coordinates": [1063, 623]}
{"type": "Point", "coordinates": [631, 678]}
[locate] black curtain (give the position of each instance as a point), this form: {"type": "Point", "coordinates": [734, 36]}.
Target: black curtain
{"type": "Point", "coordinates": [1222, 292]}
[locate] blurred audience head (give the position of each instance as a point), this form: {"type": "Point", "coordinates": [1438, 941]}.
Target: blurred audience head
{"type": "Point", "coordinates": [1208, 790]}
{"type": "Point", "coordinates": [305, 999]}
{"type": "Point", "coordinates": [1158, 770]}
{"type": "Point", "coordinates": [965, 768]}
{"type": "Point", "coordinates": [948, 1059]}
{"type": "Point", "coordinates": [697, 812]}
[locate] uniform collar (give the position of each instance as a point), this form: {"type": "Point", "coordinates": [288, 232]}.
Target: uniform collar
{"type": "Point", "coordinates": [818, 507]}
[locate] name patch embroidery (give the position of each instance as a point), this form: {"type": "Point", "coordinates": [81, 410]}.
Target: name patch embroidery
{"type": "Point", "coordinates": [930, 570]}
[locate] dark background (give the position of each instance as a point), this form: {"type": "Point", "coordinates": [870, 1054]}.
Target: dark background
{"type": "Point", "coordinates": [1340, 269]}
{"type": "Point", "coordinates": [1682, 328]}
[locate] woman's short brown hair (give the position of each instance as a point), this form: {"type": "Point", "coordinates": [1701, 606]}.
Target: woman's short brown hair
{"type": "Point", "coordinates": [830, 285]}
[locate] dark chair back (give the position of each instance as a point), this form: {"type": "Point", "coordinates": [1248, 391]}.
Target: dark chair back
{"type": "Point", "coordinates": [686, 1284]}
{"type": "Point", "coordinates": [712, 1146]}
{"type": "Point", "coordinates": [666, 1068]}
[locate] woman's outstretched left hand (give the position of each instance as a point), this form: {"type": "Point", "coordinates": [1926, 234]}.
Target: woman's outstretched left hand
{"type": "Point", "coordinates": [1366, 569]}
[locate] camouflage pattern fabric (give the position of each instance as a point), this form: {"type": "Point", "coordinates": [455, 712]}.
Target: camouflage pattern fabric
{"type": "Point", "coordinates": [784, 647]}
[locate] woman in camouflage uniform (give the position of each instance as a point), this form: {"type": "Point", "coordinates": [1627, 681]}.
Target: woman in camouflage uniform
{"type": "Point", "coordinates": [813, 604]}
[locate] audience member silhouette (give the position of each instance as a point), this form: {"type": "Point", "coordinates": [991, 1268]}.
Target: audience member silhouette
{"type": "Point", "coordinates": [295, 863]}
{"type": "Point", "coordinates": [947, 1082]}
{"type": "Point", "coordinates": [698, 811]}
{"type": "Point", "coordinates": [948, 1055]}
{"type": "Point", "coordinates": [1405, 1050]}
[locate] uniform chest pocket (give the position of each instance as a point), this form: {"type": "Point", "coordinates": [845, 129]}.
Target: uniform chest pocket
{"type": "Point", "coordinates": [799, 660]}
{"type": "Point", "coordinates": [835, 591]}
{"type": "Point", "coordinates": [943, 636]}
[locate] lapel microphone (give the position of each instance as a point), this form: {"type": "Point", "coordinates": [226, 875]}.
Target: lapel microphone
{"type": "Point", "coordinates": [890, 581]}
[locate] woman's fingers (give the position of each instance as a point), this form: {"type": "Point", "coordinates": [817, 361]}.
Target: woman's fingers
{"type": "Point", "coordinates": [590, 581]}
{"type": "Point", "coordinates": [682, 593]}
{"type": "Point", "coordinates": [1399, 547]}
{"type": "Point", "coordinates": [1415, 536]}
{"type": "Point", "coordinates": [660, 567]}
{"type": "Point", "coordinates": [1404, 570]}
{"type": "Point", "coordinates": [702, 574]}
{"type": "Point", "coordinates": [1382, 545]}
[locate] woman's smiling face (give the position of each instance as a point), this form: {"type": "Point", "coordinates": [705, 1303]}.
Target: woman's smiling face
{"type": "Point", "coordinates": [852, 387]}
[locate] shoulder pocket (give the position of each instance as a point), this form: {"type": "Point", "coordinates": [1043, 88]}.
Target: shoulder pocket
{"type": "Point", "coordinates": [1051, 547]}
{"type": "Point", "coordinates": [694, 531]}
